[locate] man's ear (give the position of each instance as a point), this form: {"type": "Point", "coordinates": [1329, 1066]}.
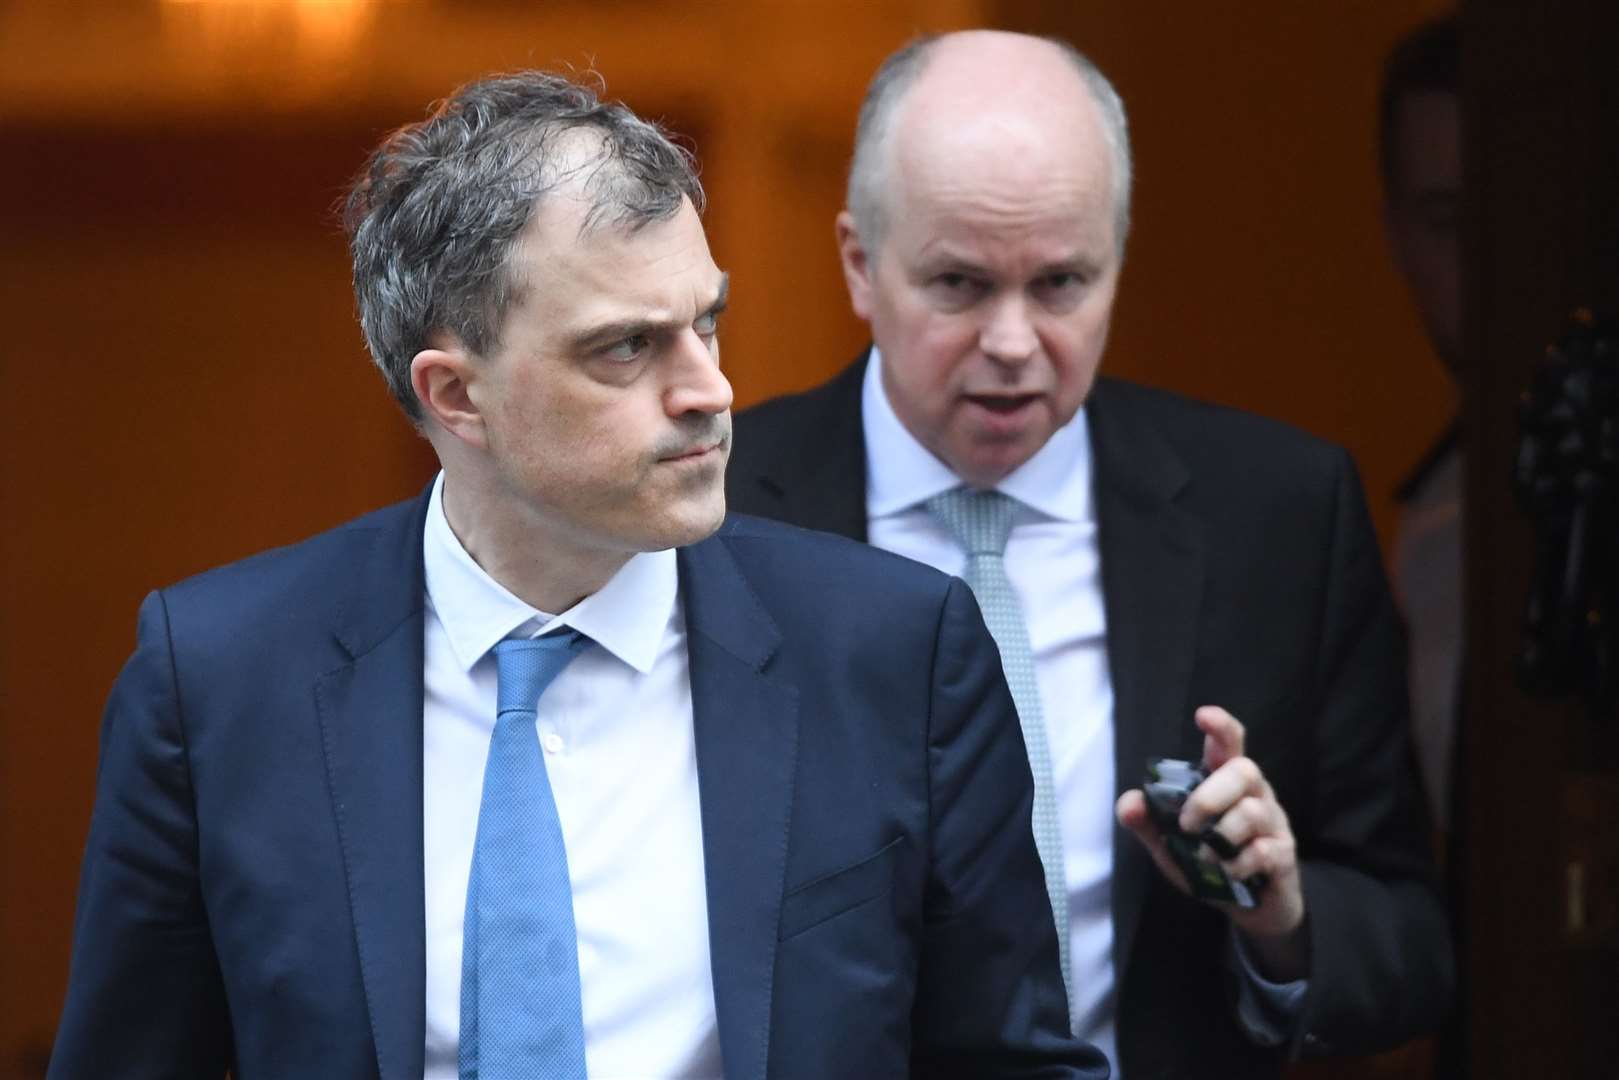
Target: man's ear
{"type": "Point", "coordinates": [442, 379]}
{"type": "Point", "coordinates": [857, 266]}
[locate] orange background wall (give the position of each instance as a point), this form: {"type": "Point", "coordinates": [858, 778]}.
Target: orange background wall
{"type": "Point", "coordinates": [184, 382]}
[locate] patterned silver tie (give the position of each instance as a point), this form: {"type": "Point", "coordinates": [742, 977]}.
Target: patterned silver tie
{"type": "Point", "coordinates": [981, 521]}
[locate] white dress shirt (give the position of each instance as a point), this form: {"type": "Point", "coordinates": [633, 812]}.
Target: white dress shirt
{"type": "Point", "coordinates": [1054, 563]}
{"type": "Point", "coordinates": [616, 730]}
{"type": "Point", "coordinates": [1428, 578]}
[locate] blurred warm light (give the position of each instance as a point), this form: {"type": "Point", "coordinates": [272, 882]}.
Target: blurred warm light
{"type": "Point", "coordinates": [320, 26]}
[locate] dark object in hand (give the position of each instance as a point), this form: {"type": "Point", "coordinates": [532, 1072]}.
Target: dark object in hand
{"type": "Point", "coordinates": [1169, 782]}
{"type": "Point", "coordinates": [1567, 481]}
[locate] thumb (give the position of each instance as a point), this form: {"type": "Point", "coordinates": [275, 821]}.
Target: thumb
{"type": "Point", "coordinates": [1131, 811]}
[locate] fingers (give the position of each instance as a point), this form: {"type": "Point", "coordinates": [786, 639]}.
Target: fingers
{"type": "Point", "coordinates": [1244, 828]}
{"type": "Point", "coordinates": [1131, 811]}
{"type": "Point", "coordinates": [1249, 817]}
{"type": "Point", "coordinates": [1223, 735]}
{"type": "Point", "coordinates": [1272, 856]}
{"type": "Point", "coordinates": [1226, 786]}
{"type": "Point", "coordinates": [1257, 839]}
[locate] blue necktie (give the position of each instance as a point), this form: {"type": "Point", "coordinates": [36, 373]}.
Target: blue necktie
{"type": "Point", "coordinates": [520, 1012]}
{"type": "Point", "coordinates": [981, 522]}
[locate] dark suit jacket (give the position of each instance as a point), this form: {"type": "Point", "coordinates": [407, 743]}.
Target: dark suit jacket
{"type": "Point", "coordinates": [1239, 569]}
{"type": "Point", "coordinates": [252, 893]}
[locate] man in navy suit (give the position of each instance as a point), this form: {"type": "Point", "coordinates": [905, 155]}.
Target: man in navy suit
{"type": "Point", "coordinates": [784, 770]}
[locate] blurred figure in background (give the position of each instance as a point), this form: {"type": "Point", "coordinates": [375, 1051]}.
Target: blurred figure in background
{"type": "Point", "coordinates": [1420, 160]}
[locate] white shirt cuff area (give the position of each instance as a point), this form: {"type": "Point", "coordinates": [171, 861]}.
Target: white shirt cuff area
{"type": "Point", "coordinates": [1267, 1011]}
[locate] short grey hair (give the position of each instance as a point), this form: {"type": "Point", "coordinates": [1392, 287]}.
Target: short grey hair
{"type": "Point", "coordinates": [433, 217]}
{"type": "Point", "coordinates": [868, 170]}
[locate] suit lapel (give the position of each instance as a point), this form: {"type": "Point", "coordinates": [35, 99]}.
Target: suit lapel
{"type": "Point", "coordinates": [746, 723]}
{"type": "Point", "coordinates": [1152, 585]}
{"type": "Point", "coordinates": [371, 727]}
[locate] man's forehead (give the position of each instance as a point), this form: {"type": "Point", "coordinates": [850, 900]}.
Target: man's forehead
{"type": "Point", "coordinates": [1035, 245]}
{"type": "Point", "coordinates": [610, 272]}
{"type": "Point", "coordinates": [570, 232]}
{"type": "Point", "coordinates": [1007, 144]}
{"type": "Point", "coordinates": [983, 137]}
{"type": "Point", "coordinates": [1004, 160]}
{"type": "Point", "coordinates": [989, 184]}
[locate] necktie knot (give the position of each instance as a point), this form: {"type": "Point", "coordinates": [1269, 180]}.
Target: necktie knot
{"type": "Point", "coordinates": [527, 666]}
{"type": "Point", "coordinates": [980, 521]}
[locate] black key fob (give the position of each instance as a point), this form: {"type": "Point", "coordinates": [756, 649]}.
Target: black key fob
{"type": "Point", "coordinates": [1168, 784]}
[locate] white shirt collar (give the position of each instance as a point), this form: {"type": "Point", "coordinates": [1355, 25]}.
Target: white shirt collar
{"type": "Point", "coordinates": [627, 616]}
{"type": "Point", "coordinates": [901, 472]}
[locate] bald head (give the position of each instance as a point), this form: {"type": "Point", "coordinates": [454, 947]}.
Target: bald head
{"type": "Point", "coordinates": [983, 240]}
{"type": "Point", "coordinates": [988, 103]}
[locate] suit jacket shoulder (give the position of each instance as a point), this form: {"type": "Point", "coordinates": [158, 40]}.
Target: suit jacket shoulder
{"type": "Point", "coordinates": [802, 458]}
{"type": "Point", "coordinates": [770, 549]}
{"type": "Point", "coordinates": [300, 591]}
{"type": "Point", "coordinates": [769, 432]}
{"type": "Point", "coordinates": [800, 585]}
{"type": "Point", "coordinates": [1217, 443]}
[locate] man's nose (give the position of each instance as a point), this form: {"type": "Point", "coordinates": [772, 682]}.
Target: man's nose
{"type": "Point", "coordinates": [1008, 336]}
{"type": "Point", "coordinates": [697, 385]}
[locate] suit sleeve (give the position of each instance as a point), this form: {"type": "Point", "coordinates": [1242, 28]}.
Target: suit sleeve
{"type": "Point", "coordinates": [1382, 968]}
{"type": "Point", "coordinates": [145, 997]}
{"type": "Point", "coordinates": [990, 999]}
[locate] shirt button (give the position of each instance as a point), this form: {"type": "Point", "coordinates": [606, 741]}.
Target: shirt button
{"type": "Point", "coordinates": [552, 742]}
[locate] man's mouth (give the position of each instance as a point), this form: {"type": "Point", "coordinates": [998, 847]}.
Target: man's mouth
{"type": "Point", "coordinates": [1002, 404]}
{"type": "Point", "coordinates": [696, 453]}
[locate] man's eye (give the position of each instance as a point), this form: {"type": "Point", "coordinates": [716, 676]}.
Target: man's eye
{"type": "Point", "coordinates": [627, 350]}
{"type": "Point", "coordinates": [1059, 290]}
{"type": "Point", "coordinates": [707, 324]}
{"type": "Point", "coordinates": [955, 290]}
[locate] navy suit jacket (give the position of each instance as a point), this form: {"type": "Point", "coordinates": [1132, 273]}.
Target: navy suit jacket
{"type": "Point", "coordinates": [252, 891]}
{"type": "Point", "coordinates": [1239, 568]}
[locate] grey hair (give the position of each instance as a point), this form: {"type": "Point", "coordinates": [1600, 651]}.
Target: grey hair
{"type": "Point", "coordinates": [434, 215]}
{"type": "Point", "coordinates": [868, 170]}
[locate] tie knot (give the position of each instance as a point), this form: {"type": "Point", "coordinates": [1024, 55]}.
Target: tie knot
{"type": "Point", "coordinates": [525, 667]}
{"type": "Point", "coordinates": [979, 520]}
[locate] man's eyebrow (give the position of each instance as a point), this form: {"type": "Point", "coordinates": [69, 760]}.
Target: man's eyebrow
{"type": "Point", "coordinates": [610, 332]}
{"type": "Point", "coordinates": [1075, 264]}
{"type": "Point", "coordinates": [944, 262]}
{"type": "Point", "coordinates": [938, 254]}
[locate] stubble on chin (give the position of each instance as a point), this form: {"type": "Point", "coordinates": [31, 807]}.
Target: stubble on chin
{"type": "Point", "coordinates": [692, 512]}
